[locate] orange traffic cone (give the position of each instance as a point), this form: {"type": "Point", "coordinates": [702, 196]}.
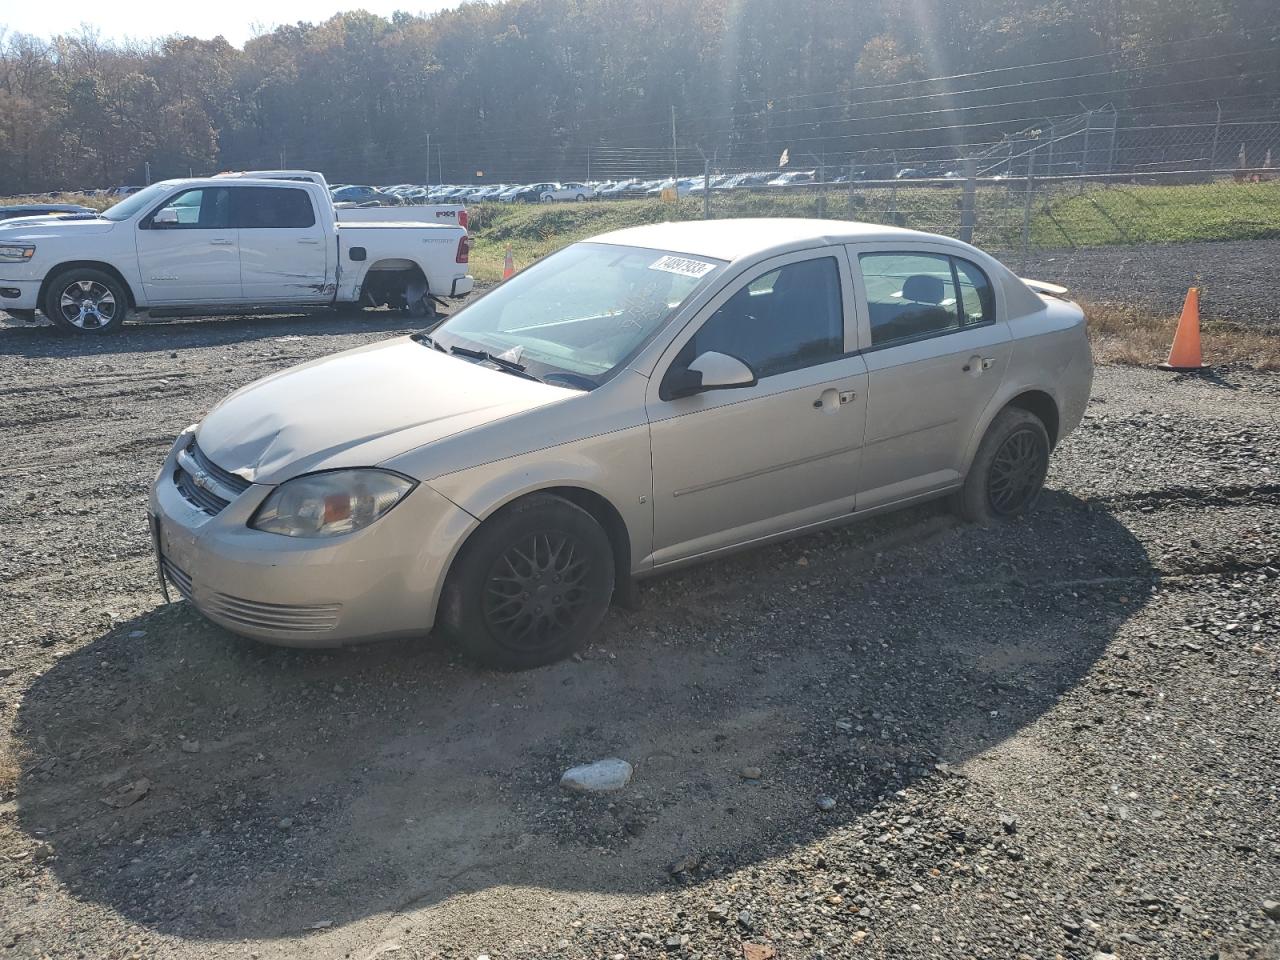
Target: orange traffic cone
{"type": "Point", "coordinates": [508, 267]}
{"type": "Point", "coordinates": [1185, 353]}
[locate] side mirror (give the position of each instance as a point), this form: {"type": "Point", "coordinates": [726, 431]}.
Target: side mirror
{"type": "Point", "coordinates": [168, 217]}
{"type": "Point", "coordinates": [708, 371]}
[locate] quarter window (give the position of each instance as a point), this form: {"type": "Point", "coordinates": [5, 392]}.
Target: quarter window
{"type": "Point", "coordinates": [279, 208]}
{"type": "Point", "coordinates": [779, 321]}
{"type": "Point", "coordinates": [976, 299]}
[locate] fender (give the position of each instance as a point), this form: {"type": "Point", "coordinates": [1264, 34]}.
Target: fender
{"type": "Point", "coordinates": [130, 279]}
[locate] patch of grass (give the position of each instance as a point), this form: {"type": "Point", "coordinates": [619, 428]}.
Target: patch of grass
{"type": "Point", "coordinates": [1136, 337]}
{"type": "Point", "coordinates": [94, 203]}
{"type": "Point", "coordinates": [1119, 213]}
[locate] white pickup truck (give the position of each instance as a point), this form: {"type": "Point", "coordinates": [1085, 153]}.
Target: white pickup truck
{"type": "Point", "coordinates": [224, 245]}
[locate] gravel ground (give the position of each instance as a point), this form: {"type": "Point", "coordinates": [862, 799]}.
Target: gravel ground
{"type": "Point", "coordinates": [1236, 278]}
{"type": "Point", "coordinates": [1053, 738]}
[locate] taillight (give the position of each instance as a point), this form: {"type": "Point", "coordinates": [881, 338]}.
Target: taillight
{"type": "Point", "coordinates": [464, 220]}
{"type": "Point", "coordinates": [464, 249]}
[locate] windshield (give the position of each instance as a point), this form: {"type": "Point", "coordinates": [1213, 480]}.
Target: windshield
{"type": "Point", "coordinates": [127, 207]}
{"type": "Point", "coordinates": [580, 314]}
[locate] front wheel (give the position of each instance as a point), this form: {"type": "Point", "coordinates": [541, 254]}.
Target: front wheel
{"type": "Point", "coordinates": [83, 300]}
{"type": "Point", "coordinates": [1008, 471]}
{"type": "Point", "coordinates": [530, 586]}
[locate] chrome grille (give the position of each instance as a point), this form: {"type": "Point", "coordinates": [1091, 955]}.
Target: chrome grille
{"type": "Point", "coordinates": [206, 500]}
{"type": "Point", "coordinates": [203, 483]}
{"type": "Point", "coordinates": [278, 618]}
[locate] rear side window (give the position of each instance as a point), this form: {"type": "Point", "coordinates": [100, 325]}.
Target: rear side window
{"type": "Point", "coordinates": [277, 208]}
{"type": "Point", "coordinates": [911, 296]}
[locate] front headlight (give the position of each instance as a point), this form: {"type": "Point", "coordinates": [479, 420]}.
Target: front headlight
{"type": "Point", "coordinates": [330, 504]}
{"type": "Point", "coordinates": [17, 252]}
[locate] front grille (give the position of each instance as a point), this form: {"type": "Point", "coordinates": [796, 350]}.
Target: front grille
{"type": "Point", "coordinates": [203, 483]}
{"type": "Point", "coordinates": [279, 618]}
{"type": "Point", "coordinates": [225, 477]}
{"type": "Point", "coordinates": [204, 499]}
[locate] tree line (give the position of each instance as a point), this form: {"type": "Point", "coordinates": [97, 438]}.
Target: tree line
{"type": "Point", "coordinates": [526, 89]}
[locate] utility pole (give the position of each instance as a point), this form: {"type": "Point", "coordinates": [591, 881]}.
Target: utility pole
{"type": "Point", "coordinates": [440, 157]}
{"type": "Point", "coordinates": [428, 183]}
{"type": "Point", "coordinates": [588, 163]}
{"type": "Point", "coordinates": [146, 165]}
{"type": "Point", "coordinates": [675, 164]}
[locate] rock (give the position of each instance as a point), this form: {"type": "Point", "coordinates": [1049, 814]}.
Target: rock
{"type": "Point", "coordinates": [750, 773]}
{"type": "Point", "coordinates": [719, 912]}
{"type": "Point", "coordinates": [389, 946]}
{"type": "Point", "coordinates": [190, 746]}
{"type": "Point", "coordinates": [676, 941]}
{"type": "Point", "coordinates": [41, 852]}
{"type": "Point", "coordinates": [1271, 908]}
{"type": "Point", "coordinates": [603, 776]}
{"type": "Point", "coordinates": [6, 672]}
{"type": "Point", "coordinates": [686, 864]}
{"type": "Point", "coordinates": [129, 794]}
{"type": "Point", "coordinates": [825, 803]}
{"type": "Point", "coordinates": [758, 951]}
{"type": "Point", "coordinates": [321, 925]}
{"type": "Point", "coordinates": [745, 919]}
{"type": "Point", "coordinates": [137, 634]}
{"type": "Point", "coordinates": [286, 823]}
{"type": "Point", "coordinates": [1008, 824]}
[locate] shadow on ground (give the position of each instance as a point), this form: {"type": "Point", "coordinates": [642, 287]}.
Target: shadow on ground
{"type": "Point", "coordinates": [332, 787]}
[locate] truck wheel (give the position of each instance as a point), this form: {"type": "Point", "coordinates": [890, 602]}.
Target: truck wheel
{"type": "Point", "coordinates": [530, 586]}
{"type": "Point", "coordinates": [83, 300]}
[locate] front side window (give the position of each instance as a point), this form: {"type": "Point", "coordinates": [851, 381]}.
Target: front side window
{"type": "Point", "coordinates": [278, 208]}
{"type": "Point", "coordinates": [576, 316]}
{"type": "Point", "coordinates": [208, 208]}
{"type": "Point", "coordinates": [782, 320]}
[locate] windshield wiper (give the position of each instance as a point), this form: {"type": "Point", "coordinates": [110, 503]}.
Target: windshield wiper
{"type": "Point", "coordinates": [427, 341]}
{"type": "Point", "coordinates": [502, 363]}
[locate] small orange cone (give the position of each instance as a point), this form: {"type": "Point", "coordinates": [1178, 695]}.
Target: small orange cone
{"type": "Point", "coordinates": [1185, 356]}
{"type": "Point", "coordinates": [509, 267]}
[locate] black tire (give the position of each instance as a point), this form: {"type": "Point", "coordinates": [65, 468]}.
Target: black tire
{"type": "Point", "coordinates": [84, 300]}
{"type": "Point", "coordinates": [499, 601]}
{"type": "Point", "coordinates": [1008, 471]}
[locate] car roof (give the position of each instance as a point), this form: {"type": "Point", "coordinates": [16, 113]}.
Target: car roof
{"type": "Point", "coordinates": [735, 239]}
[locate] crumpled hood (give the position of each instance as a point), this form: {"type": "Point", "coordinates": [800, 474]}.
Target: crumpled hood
{"type": "Point", "coordinates": [358, 408]}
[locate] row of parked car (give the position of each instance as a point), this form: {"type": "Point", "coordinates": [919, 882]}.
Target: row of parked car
{"type": "Point", "coordinates": [552, 191]}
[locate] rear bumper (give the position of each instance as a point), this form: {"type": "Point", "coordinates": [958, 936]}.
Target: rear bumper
{"type": "Point", "coordinates": [462, 286]}
{"type": "Point", "coordinates": [19, 294]}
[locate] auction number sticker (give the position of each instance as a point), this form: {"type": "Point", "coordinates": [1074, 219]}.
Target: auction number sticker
{"type": "Point", "coordinates": [683, 266]}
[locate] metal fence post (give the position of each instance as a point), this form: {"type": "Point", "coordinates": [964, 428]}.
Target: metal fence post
{"type": "Point", "coordinates": [1217, 128]}
{"type": "Point", "coordinates": [822, 189]}
{"type": "Point", "coordinates": [967, 202]}
{"type": "Point", "coordinates": [1084, 154]}
{"type": "Point", "coordinates": [893, 190]}
{"type": "Point", "coordinates": [851, 188]}
{"type": "Point", "coordinates": [1026, 206]}
{"type": "Point", "coordinates": [706, 189]}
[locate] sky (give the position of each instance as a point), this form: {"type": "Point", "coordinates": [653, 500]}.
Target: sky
{"type": "Point", "coordinates": [237, 20]}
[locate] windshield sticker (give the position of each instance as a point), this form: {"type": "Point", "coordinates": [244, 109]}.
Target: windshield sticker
{"type": "Point", "coordinates": [683, 266]}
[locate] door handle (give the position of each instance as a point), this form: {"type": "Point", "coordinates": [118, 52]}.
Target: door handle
{"type": "Point", "coordinates": [311, 243]}
{"type": "Point", "coordinates": [977, 364]}
{"type": "Point", "coordinates": [833, 399]}
{"type": "Point", "coordinates": [222, 243]}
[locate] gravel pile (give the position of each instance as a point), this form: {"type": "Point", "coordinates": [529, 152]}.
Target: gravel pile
{"type": "Point", "coordinates": [908, 738]}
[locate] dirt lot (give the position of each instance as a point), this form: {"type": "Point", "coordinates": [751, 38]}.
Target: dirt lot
{"type": "Point", "coordinates": [1059, 737]}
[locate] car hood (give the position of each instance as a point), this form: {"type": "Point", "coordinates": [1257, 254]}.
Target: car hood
{"type": "Point", "coordinates": [44, 227]}
{"type": "Point", "coordinates": [359, 408]}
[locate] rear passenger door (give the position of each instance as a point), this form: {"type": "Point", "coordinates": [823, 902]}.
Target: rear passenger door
{"type": "Point", "coordinates": [284, 252]}
{"type": "Point", "coordinates": [939, 345]}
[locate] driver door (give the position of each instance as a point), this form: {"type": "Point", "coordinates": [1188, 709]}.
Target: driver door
{"type": "Point", "coordinates": [188, 249]}
{"type": "Point", "coordinates": [736, 465]}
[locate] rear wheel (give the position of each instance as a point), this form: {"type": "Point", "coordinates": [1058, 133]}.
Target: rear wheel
{"type": "Point", "coordinates": [530, 586]}
{"type": "Point", "coordinates": [1008, 471]}
{"type": "Point", "coordinates": [83, 300]}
